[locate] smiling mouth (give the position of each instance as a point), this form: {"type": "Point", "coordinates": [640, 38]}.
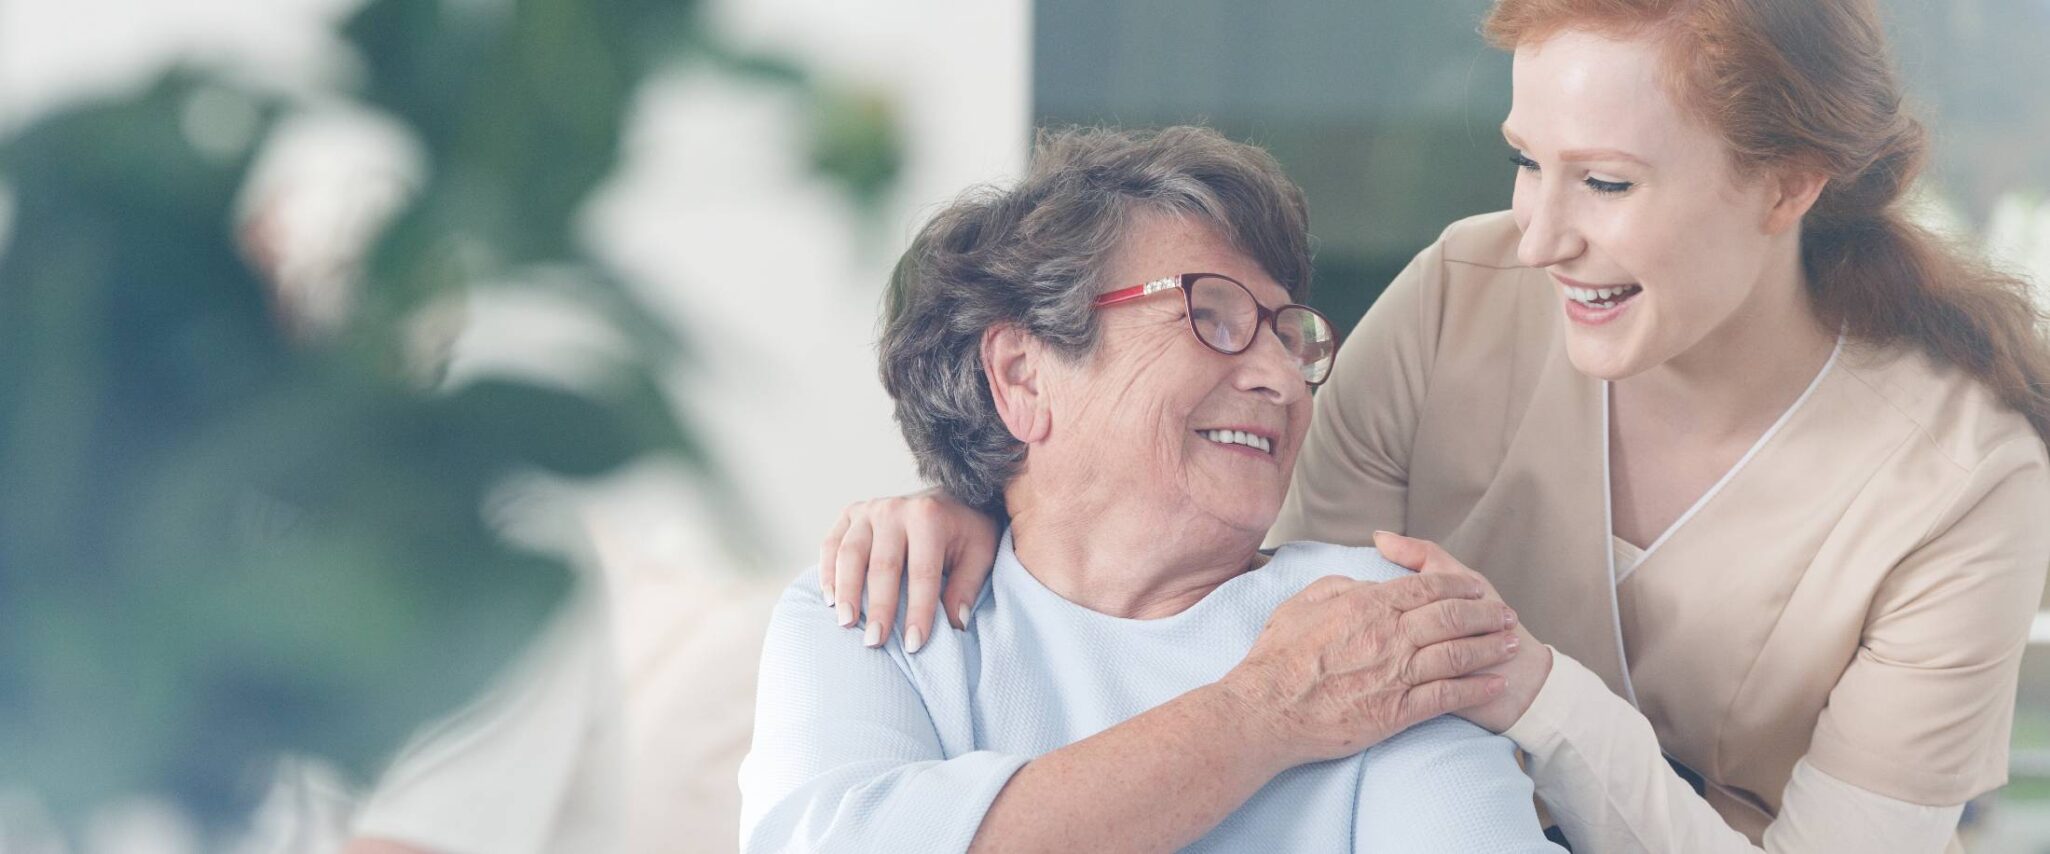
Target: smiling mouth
{"type": "Point", "coordinates": [1602, 298]}
{"type": "Point", "coordinates": [1239, 437]}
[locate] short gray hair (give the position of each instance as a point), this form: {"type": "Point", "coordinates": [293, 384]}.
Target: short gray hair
{"type": "Point", "coordinates": [1032, 256]}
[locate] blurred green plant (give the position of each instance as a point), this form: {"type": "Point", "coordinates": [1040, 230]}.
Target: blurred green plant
{"type": "Point", "coordinates": [220, 541]}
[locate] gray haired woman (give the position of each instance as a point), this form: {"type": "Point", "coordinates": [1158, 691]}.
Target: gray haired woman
{"type": "Point", "coordinates": [1112, 356]}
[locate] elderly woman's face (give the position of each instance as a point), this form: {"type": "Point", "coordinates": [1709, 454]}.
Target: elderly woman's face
{"type": "Point", "coordinates": [1142, 414]}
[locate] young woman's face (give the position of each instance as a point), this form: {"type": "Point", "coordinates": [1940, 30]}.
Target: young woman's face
{"type": "Point", "coordinates": [1651, 239]}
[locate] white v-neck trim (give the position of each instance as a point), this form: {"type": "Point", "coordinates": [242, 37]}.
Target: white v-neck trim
{"type": "Point", "coordinates": [1615, 582]}
{"type": "Point", "coordinates": [1720, 483]}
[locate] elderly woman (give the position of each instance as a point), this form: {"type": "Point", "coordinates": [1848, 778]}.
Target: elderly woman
{"type": "Point", "coordinates": [1110, 356]}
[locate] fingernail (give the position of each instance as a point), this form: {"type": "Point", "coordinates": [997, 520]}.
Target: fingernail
{"type": "Point", "coordinates": [913, 639]}
{"type": "Point", "coordinates": [1379, 532]}
{"type": "Point", "coordinates": [829, 595]}
{"type": "Point", "coordinates": [874, 636]}
{"type": "Point", "coordinates": [1508, 618]}
{"type": "Point", "coordinates": [846, 614]}
{"type": "Point", "coordinates": [961, 613]}
{"type": "Point", "coordinates": [1512, 643]}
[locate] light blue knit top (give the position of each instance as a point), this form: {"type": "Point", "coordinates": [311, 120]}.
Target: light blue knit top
{"type": "Point", "coordinates": [874, 750]}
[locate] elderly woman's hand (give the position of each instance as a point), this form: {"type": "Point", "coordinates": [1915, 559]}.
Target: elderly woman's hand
{"type": "Point", "coordinates": [1345, 664]}
{"type": "Point", "coordinates": [916, 540]}
{"type": "Point", "coordinates": [1525, 672]}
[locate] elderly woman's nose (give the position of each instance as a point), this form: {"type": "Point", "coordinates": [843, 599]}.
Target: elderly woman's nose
{"type": "Point", "coordinates": [1269, 369]}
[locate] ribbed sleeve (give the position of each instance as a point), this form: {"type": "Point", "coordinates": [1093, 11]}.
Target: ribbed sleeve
{"type": "Point", "coordinates": [846, 756]}
{"type": "Point", "coordinates": [1446, 785]}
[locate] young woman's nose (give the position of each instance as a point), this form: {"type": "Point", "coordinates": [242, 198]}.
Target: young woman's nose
{"type": "Point", "coordinates": [1549, 234]}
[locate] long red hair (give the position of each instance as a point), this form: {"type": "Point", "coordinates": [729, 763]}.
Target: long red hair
{"type": "Point", "coordinates": [1809, 84]}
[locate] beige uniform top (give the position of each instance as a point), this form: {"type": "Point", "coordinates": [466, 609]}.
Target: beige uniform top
{"type": "Point", "coordinates": [1858, 593]}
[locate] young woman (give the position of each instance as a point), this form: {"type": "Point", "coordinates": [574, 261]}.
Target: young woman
{"type": "Point", "coordinates": [1762, 461]}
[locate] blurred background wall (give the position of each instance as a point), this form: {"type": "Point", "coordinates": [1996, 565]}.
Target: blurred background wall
{"type": "Point", "coordinates": [1386, 113]}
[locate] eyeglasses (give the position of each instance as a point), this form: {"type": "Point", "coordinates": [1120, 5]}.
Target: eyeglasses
{"type": "Point", "coordinates": [1225, 317]}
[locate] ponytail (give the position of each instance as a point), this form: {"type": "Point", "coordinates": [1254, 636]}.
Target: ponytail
{"type": "Point", "coordinates": [1882, 278]}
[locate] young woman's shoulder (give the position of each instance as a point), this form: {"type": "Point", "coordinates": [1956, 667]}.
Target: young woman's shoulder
{"type": "Point", "coordinates": [1471, 308]}
{"type": "Point", "coordinates": [1484, 240]}
{"type": "Point", "coordinates": [1948, 412]}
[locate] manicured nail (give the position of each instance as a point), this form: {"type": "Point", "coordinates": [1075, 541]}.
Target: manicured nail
{"type": "Point", "coordinates": [913, 640]}
{"type": "Point", "coordinates": [874, 636]}
{"type": "Point", "coordinates": [961, 613]}
{"type": "Point", "coordinates": [829, 595]}
{"type": "Point", "coordinates": [846, 614]}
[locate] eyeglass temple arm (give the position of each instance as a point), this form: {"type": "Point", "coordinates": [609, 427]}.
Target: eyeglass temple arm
{"type": "Point", "coordinates": [1137, 291]}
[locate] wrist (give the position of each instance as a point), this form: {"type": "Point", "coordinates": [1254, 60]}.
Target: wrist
{"type": "Point", "coordinates": [1523, 693]}
{"type": "Point", "coordinates": [1241, 721]}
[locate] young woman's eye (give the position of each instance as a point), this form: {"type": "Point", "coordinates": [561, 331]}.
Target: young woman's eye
{"type": "Point", "coordinates": [1608, 188]}
{"type": "Point", "coordinates": [1524, 163]}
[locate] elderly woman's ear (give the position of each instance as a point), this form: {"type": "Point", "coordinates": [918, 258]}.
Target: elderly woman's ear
{"type": "Point", "coordinates": [1011, 362]}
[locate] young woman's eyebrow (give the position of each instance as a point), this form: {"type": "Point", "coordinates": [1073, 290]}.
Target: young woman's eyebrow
{"type": "Point", "coordinates": [1581, 155]}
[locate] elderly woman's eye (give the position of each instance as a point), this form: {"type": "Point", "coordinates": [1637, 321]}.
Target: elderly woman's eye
{"type": "Point", "coordinates": [1218, 333]}
{"type": "Point", "coordinates": [1211, 324]}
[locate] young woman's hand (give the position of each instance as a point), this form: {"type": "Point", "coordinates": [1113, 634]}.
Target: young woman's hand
{"type": "Point", "coordinates": [1525, 672]}
{"type": "Point", "coordinates": [917, 541]}
{"type": "Point", "coordinates": [1345, 664]}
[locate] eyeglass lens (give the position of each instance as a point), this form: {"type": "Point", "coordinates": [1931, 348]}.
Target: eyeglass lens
{"type": "Point", "coordinates": [1227, 318]}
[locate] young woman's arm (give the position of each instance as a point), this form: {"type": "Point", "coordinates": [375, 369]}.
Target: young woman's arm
{"type": "Point", "coordinates": [1917, 724]}
{"type": "Point", "coordinates": [1605, 781]}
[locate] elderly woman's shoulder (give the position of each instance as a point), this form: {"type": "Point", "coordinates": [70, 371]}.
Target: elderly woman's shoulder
{"type": "Point", "coordinates": [804, 589]}
{"type": "Point", "coordinates": [804, 630]}
{"type": "Point", "coordinates": [1307, 561]}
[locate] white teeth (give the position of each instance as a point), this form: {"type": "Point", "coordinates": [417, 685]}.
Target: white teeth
{"type": "Point", "coordinates": [1596, 297]}
{"type": "Point", "coordinates": [1239, 437]}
